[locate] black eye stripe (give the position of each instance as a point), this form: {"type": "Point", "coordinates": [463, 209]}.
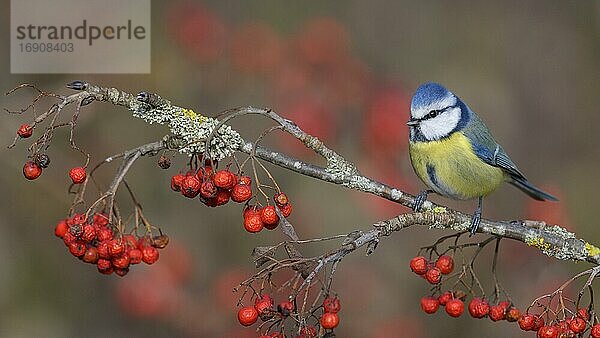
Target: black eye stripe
{"type": "Point", "coordinates": [436, 112]}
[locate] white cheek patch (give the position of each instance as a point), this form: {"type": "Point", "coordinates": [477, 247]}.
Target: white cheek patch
{"type": "Point", "coordinates": [441, 125]}
{"type": "Point", "coordinates": [448, 101]}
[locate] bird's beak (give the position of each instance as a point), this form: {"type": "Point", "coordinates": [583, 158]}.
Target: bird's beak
{"type": "Point", "coordinates": [412, 122]}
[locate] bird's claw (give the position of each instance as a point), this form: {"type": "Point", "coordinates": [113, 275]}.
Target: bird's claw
{"type": "Point", "coordinates": [420, 200]}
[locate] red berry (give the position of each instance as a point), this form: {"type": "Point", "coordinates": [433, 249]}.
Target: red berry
{"type": "Point", "coordinates": [89, 233]}
{"type": "Point", "coordinates": [513, 314]}
{"type": "Point", "coordinates": [116, 247]}
{"type": "Point", "coordinates": [430, 304]}
{"type": "Point", "coordinates": [77, 248]}
{"type": "Point", "coordinates": [583, 314]}
{"type": "Point", "coordinates": [177, 181]}
{"type": "Point", "coordinates": [418, 265]}
{"type": "Point", "coordinates": [308, 332]}
{"type": "Point", "coordinates": [269, 217]}
{"type": "Point", "coordinates": [548, 332]}
{"type": "Point", "coordinates": [479, 308]}
{"type": "Point", "coordinates": [595, 332]}
{"type": "Point", "coordinates": [286, 210]}
{"type": "Point", "coordinates": [104, 234]}
{"type": "Point", "coordinates": [245, 180]}
{"type": "Point", "coordinates": [505, 305]}
{"type": "Point", "coordinates": [332, 304]}
{"type": "Point", "coordinates": [538, 323]}
{"type": "Point", "coordinates": [135, 256]}
{"type": "Point", "coordinates": [91, 255]}
{"type": "Point", "coordinates": [445, 264]}
{"type": "Point", "coordinates": [253, 223]}
{"type": "Point", "coordinates": [100, 220]}
{"type": "Point", "coordinates": [208, 189]}
{"type": "Point", "coordinates": [77, 175]}
{"type": "Point", "coordinates": [25, 131]}
{"type": "Point", "coordinates": [121, 261]}
{"type": "Point", "coordinates": [497, 313]}
{"type": "Point", "coordinates": [247, 315]}
{"type": "Point", "coordinates": [577, 325]}
{"type": "Point", "coordinates": [264, 298]}
{"type": "Point", "coordinates": [455, 307]}
{"type": "Point", "coordinates": [241, 193]}
{"type": "Point", "coordinates": [445, 297]}
{"type": "Point", "coordinates": [285, 308]}
{"type": "Point", "coordinates": [527, 322]}
{"type": "Point", "coordinates": [224, 179]}
{"type": "Point", "coordinates": [433, 275]}
{"type": "Point", "coordinates": [330, 320]}
{"type": "Point", "coordinates": [190, 186]}
{"type": "Point", "coordinates": [103, 264]}
{"type": "Point", "coordinates": [149, 254]}
{"type": "Point", "coordinates": [222, 197]}
{"type": "Point", "coordinates": [61, 229]}
{"type": "Point", "coordinates": [68, 238]}
{"type": "Point", "coordinates": [121, 272]}
{"type": "Point", "coordinates": [31, 170]}
{"type": "Point", "coordinates": [281, 199]}
{"type": "Point", "coordinates": [263, 306]}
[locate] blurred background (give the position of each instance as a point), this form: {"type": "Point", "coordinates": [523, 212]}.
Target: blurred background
{"type": "Point", "coordinates": [344, 71]}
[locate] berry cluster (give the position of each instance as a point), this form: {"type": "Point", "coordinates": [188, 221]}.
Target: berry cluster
{"type": "Point", "coordinates": [256, 218]}
{"type": "Point", "coordinates": [265, 310]}
{"type": "Point", "coordinates": [97, 243]}
{"type": "Point", "coordinates": [216, 188]}
{"type": "Point", "coordinates": [431, 271]}
{"type": "Point", "coordinates": [453, 302]}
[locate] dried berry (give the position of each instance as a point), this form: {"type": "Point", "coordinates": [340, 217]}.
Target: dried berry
{"type": "Point", "coordinates": [430, 304]}
{"type": "Point", "coordinates": [332, 304]}
{"type": "Point", "coordinates": [527, 322]}
{"type": "Point", "coordinates": [455, 307]}
{"type": "Point", "coordinates": [241, 193]}
{"type": "Point", "coordinates": [224, 179]}
{"type": "Point", "coordinates": [190, 186]}
{"type": "Point", "coordinates": [176, 182]}
{"type": "Point", "coordinates": [433, 275]}
{"type": "Point", "coordinates": [25, 131]}
{"type": "Point", "coordinates": [445, 297]}
{"type": "Point", "coordinates": [445, 264]}
{"type": "Point", "coordinates": [77, 175]}
{"type": "Point", "coordinates": [269, 217]}
{"type": "Point", "coordinates": [479, 308]}
{"type": "Point", "coordinates": [42, 160]}
{"type": "Point", "coordinates": [164, 162]}
{"type": "Point", "coordinates": [418, 265]}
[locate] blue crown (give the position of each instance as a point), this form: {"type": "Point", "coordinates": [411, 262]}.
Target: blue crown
{"type": "Point", "coordinates": [427, 94]}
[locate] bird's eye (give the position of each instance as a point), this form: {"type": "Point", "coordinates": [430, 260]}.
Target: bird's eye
{"type": "Point", "coordinates": [432, 114]}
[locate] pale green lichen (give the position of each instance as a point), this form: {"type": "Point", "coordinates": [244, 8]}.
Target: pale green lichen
{"type": "Point", "coordinates": [192, 128]}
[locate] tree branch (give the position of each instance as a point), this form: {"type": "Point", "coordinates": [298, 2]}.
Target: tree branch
{"type": "Point", "coordinates": [552, 240]}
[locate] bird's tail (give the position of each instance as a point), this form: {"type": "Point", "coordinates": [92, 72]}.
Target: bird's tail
{"type": "Point", "coordinates": [528, 188]}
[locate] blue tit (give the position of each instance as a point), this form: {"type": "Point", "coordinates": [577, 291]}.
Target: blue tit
{"type": "Point", "coordinates": [455, 155]}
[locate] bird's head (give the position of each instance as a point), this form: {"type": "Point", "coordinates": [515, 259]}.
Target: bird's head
{"type": "Point", "coordinates": [435, 113]}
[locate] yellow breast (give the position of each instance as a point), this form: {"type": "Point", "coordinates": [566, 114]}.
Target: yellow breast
{"type": "Point", "coordinates": [451, 168]}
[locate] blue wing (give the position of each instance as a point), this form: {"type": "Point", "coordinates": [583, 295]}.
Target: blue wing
{"type": "Point", "coordinates": [487, 149]}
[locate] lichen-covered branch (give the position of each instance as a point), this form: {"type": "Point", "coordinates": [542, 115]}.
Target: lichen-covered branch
{"type": "Point", "coordinates": [190, 131]}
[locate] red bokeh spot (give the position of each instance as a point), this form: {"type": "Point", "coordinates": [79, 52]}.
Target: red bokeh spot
{"type": "Point", "coordinates": [199, 31]}
{"type": "Point", "coordinates": [256, 48]}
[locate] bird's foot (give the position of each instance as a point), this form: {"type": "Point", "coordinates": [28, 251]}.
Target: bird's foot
{"type": "Point", "coordinates": [420, 200]}
{"type": "Point", "coordinates": [475, 220]}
